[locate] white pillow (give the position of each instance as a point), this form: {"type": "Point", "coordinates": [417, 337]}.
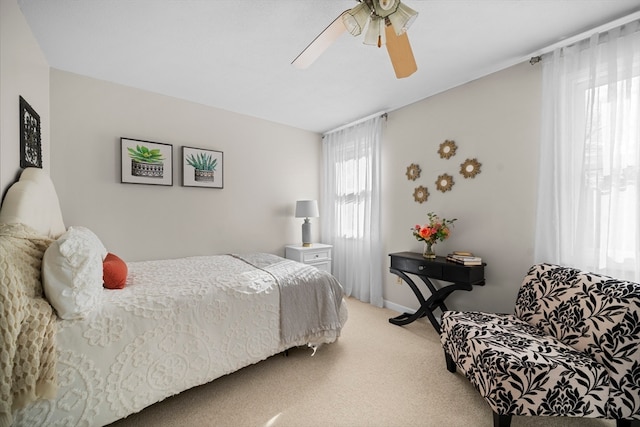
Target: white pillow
{"type": "Point", "coordinates": [72, 273]}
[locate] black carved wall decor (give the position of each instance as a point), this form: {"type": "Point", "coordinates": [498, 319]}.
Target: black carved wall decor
{"type": "Point", "coordinates": [30, 138]}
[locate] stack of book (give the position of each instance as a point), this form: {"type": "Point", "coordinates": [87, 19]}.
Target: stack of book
{"type": "Point", "coordinates": [464, 258]}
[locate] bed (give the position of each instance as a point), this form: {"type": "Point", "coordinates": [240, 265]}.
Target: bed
{"type": "Point", "coordinates": [88, 355]}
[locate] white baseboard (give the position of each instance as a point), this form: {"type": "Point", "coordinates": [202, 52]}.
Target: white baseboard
{"type": "Point", "coordinates": [397, 307]}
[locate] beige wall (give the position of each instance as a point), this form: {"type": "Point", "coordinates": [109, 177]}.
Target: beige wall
{"type": "Point", "coordinates": [496, 120]}
{"type": "Point", "coordinates": [24, 72]}
{"type": "Point", "coordinates": [267, 167]}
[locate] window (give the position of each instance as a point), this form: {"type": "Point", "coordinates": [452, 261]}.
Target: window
{"type": "Point", "coordinates": [352, 194]}
{"type": "Point", "coordinates": [350, 209]}
{"type": "Point", "coordinates": [588, 213]}
{"type": "Point", "coordinates": [612, 162]}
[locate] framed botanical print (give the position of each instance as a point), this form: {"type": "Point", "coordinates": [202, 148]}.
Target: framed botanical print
{"type": "Point", "coordinates": [146, 162]}
{"type": "Point", "coordinates": [30, 137]}
{"type": "Point", "coordinates": [202, 168]}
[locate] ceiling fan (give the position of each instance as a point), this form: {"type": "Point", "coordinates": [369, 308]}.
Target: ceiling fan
{"type": "Point", "coordinates": [386, 23]}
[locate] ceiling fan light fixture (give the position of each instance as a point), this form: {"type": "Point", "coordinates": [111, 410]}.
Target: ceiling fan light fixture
{"type": "Point", "coordinates": [402, 18]}
{"type": "Point", "coordinates": [356, 18]}
{"type": "Point", "coordinates": [375, 34]}
{"type": "Point", "coordinates": [384, 8]}
{"type": "Point", "coordinates": [387, 4]}
{"type": "Point", "coordinates": [386, 22]}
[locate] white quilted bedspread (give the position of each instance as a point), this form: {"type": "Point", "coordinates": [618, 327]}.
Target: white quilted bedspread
{"type": "Point", "coordinates": [163, 334]}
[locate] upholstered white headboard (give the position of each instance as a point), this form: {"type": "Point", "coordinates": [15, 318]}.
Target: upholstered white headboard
{"type": "Point", "coordinates": [33, 201]}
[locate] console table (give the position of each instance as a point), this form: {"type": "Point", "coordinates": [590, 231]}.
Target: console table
{"type": "Point", "coordinates": [461, 277]}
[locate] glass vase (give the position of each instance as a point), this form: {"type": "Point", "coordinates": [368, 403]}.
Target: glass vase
{"type": "Point", "coordinates": [429, 251]}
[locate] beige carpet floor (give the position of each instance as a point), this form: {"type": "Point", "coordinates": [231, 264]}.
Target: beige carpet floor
{"type": "Point", "coordinates": [376, 374]}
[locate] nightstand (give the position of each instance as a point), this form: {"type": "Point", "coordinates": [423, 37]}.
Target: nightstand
{"type": "Point", "coordinates": [318, 255]}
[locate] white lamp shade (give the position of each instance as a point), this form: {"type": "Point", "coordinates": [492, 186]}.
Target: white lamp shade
{"type": "Point", "coordinates": [356, 19]}
{"type": "Point", "coordinates": [402, 18]}
{"type": "Point", "coordinates": [375, 32]}
{"type": "Point", "coordinates": [307, 209]}
{"type": "Point", "coordinates": [385, 8]}
{"type": "Point", "coordinates": [387, 4]}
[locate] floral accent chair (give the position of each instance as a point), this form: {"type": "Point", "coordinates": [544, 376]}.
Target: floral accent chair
{"type": "Point", "coordinates": [571, 348]}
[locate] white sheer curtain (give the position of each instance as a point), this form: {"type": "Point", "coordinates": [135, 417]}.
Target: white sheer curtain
{"type": "Point", "coordinates": [588, 213]}
{"type": "Point", "coordinates": [351, 207]}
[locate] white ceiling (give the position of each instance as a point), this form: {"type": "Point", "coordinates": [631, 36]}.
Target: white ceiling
{"type": "Point", "coordinates": [236, 54]}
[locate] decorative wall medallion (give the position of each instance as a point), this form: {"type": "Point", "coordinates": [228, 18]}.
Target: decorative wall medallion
{"type": "Point", "coordinates": [447, 149]}
{"type": "Point", "coordinates": [470, 168]}
{"type": "Point", "coordinates": [413, 172]}
{"type": "Point", "coordinates": [420, 194]}
{"type": "Point", "coordinates": [444, 182]}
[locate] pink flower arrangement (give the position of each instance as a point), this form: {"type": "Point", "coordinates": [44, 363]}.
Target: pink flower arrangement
{"type": "Point", "coordinates": [436, 230]}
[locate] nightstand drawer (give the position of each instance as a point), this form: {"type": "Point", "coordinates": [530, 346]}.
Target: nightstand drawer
{"type": "Point", "coordinates": [418, 266]}
{"type": "Point", "coordinates": [326, 266]}
{"type": "Point", "coordinates": [316, 256]}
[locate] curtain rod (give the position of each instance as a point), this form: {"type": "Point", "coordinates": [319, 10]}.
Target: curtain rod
{"type": "Point", "coordinates": [364, 119]}
{"type": "Point", "coordinates": [535, 57]}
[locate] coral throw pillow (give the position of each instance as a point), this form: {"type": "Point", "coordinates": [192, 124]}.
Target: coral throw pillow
{"type": "Point", "coordinates": [114, 272]}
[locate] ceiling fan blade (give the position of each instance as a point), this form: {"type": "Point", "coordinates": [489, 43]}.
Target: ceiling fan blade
{"type": "Point", "coordinates": [320, 43]}
{"type": "Point", "coordinates": [400, 53]}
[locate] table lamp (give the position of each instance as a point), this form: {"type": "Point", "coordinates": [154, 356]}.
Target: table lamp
{"type": "Point", "coordinates": [306, 209]}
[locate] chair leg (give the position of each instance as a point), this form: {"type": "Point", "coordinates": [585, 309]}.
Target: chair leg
{"type": "Point", "coordinates": [451, 365]}
{"type": "Point", "coordinates": [627, 423]}
{"type": "Point", "coordinates": [501, 420]}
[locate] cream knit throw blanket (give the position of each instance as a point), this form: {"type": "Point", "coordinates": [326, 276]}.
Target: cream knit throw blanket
{"type": "Point", "coordinates": [27, 322]}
